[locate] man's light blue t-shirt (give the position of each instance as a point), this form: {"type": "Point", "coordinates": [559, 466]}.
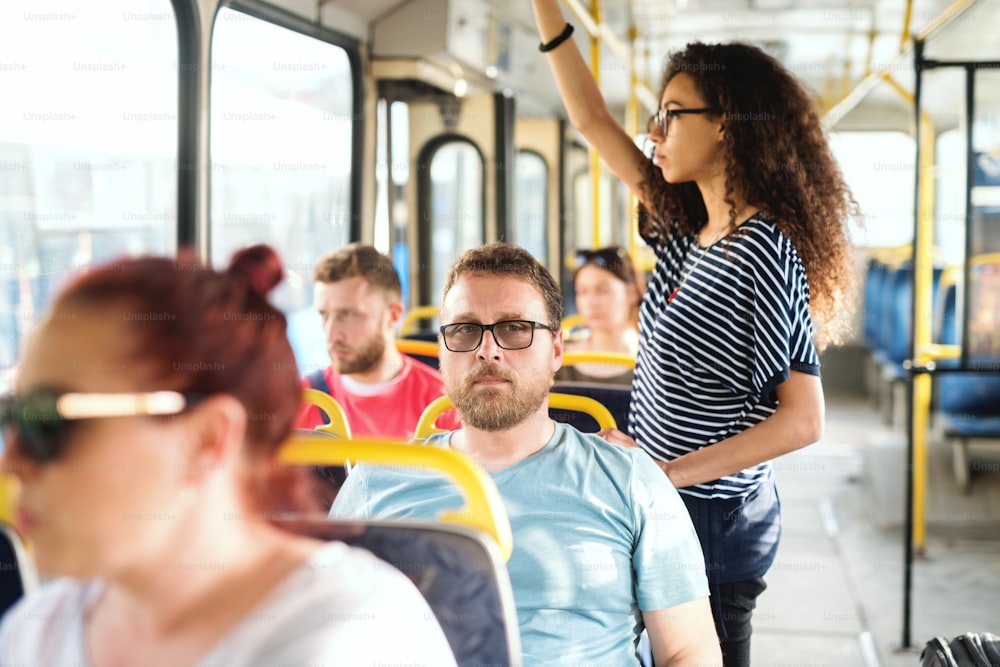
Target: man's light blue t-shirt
{"type": "Point", "coordinates": [599, 536]}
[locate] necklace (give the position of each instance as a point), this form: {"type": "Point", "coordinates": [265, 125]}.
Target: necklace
{"type": "Point", "coordinates": [697, 261]}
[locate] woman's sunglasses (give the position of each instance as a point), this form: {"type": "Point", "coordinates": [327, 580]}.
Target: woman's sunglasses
{"type": "Point", "coordinates": [604, 258]}
{"type": "Point", "coordinates": [614, 259]}
{"type": "Point", "coordinates": [41, 419]}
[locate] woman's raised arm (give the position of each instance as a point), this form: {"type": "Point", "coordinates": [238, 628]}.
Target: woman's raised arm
{"type": "Point", "coordinates": [587, 110]}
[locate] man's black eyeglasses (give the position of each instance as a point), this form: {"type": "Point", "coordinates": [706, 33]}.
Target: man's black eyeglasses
{"type": "Point", "coordinates": [41, 419]}
{"type": "Point", "coordinates": [660, 121]}
{"type": "Point", "coordinates": [509, 334]}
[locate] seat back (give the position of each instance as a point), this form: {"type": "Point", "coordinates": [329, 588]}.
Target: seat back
{"type": "Point", "coordinates": [458, 566]}
{"type": "Point", "coordinates": [422, 346]}
{"type": "Point", "coordinates": [573, 325]}
{"type": "Point", "coordinates": [969, 401]}
{"type": "Point", "coordinates": [411, 321]}
{"type": "Point", "coordinates": [897, 312]}
{"type": "Point", "coordinates": [459, 572]}
{"type": "Point", "coordinates": [874, 281]}
{"type": "Point", "coordinates": [616, 398]}
{"type": "Point", "coordinates": [17, 571]}
{"type": "Point", "coordinates": [337, 420]}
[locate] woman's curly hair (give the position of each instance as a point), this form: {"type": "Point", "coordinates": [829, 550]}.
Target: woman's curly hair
{"type": "Point", "coordinates": [777, 158]}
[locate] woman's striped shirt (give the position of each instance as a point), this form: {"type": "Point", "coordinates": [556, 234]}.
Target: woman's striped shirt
{"type": "Point", "coordinates": [710, 360]}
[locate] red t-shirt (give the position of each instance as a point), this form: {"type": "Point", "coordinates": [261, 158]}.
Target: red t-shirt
{"type": "Point", "coordinates": [391, 412]}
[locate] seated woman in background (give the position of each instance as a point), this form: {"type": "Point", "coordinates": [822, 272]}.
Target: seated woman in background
{"type": "Point", "coordinates": [149, 407]}
{"type": "Point", "coordinates": [608, 291]}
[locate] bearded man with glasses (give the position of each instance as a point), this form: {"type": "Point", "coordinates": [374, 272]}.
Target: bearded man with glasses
{"type": "Point", "coordinates": [602, 543]}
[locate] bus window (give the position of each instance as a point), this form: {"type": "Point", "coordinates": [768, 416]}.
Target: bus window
{"type": "Point", "coordinates": [530, 204]}
{"type": "Point", "coordinates": [583, 196]}
{"type": "Point", "coordinates": [282, 120]}
{"type": "Point", "coordinates": [456, 209]}
{"type": "Point", "coordinates": [876, 163]}
{"type": "Point", "coordinates": [88, 146]}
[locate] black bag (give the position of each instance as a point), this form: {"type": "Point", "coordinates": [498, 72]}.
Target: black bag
{"type": "Point", "coordinates": [973, 649]}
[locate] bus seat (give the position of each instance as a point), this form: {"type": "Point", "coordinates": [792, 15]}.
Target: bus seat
{"type": "Point", "coordinates": [459, 571]}
{"type": "Point", "coordinates": [562, 407]}
{"type": "Point", "coordinates": [945, 327]}
{"type": "Point", "coordinates": [967, 403]}
{"type": "Point", "coordinates": [874, 280]}
{"type": "Point", "coordinates": [616, 398]}
{"type": "Point", "coordinates": [458, 566]}
{"type": "Point", "coordinates": [337, 419]}
{"type": "Point", "coordinates": [411, 321]}
{"type": "Point", "coordinates": [896, 328]}
{"type": "Point", "coordinates": [967, 409]}
{"type": "Point", "coordinates": [421, 347]}
{"type": "Point", "coordinates": [329, 479]}
{"type": "Point", "coordinates": [573, 325]}
{"type": "Point", "coordinates": [18, 576]}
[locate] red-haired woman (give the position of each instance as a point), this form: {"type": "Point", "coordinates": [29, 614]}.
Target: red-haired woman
{"type": "Point", "coordinates": [148, 409]}
{"type": "Point", "coordinates": [747, 214]}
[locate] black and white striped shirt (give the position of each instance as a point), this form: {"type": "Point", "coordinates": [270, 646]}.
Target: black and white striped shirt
{"type": "Point", "coordinates": [710, 360]}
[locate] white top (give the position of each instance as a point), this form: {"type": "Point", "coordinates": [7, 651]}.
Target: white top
{"type": "Point", "coordinates": [342, 607]}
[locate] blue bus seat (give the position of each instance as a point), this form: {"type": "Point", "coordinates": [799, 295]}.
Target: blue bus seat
{"type": "Point", "coordinates": [459, 564]}
{"type": "Point", "coordinates": [616, 398]}
{"type": "Point", "coordinates": [18, 576]}
{"type": "Point", "coordinates": [874, 280]}
{"type": "Point", "coordinates": [895, 328]}
{"type": "Point", "coordinates": [459, 571]}
{"type": "Point", "coordinates": [967, 405]}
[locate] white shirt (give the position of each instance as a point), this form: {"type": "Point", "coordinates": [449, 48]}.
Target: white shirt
{"type": "Point", "coordinates": [342, 607]}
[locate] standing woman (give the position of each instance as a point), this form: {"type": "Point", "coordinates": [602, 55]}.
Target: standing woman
{"type": "Point", "coordinates": [747, 213]}
{"type": "Point", "coordinates": [149, 406]}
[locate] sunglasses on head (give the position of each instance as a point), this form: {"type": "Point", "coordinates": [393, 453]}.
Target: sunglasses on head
{"type": "Point", "coordinates": [41, 419]}
{"type": "Point", "coordinates": [604, 257]}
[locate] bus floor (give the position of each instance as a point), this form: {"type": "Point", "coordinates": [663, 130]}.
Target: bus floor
{"type": "Point", "coordinates": [835, 591]}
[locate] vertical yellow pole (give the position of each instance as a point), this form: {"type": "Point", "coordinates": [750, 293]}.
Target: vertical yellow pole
{"type": "Point", "coordinates": [632, 127]}
{"type": "Point", "coordinates": [923, 262]}
{"type": "Point", "coordinates": [923, 268]}
{"type": "Point", "coordinates": [595, 160]}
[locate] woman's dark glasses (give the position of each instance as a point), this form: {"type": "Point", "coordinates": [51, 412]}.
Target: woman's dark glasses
{"type": "Point", "coordinates": [660, 121]}
{"type": "Point", "coordinates": [41, 419]}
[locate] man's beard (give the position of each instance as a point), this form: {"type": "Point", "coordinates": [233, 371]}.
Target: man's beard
{"type": "Point", "coordinates": [363, 359]}
{"type": "Point", "coordinates": [494, 409]}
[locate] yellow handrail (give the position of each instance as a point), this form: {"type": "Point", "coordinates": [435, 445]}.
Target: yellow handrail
{"type": "Point", "coordinates": [409, 323]}
{"type": "Point", "coordinates": [936, 352]}
{"type": "Point", "coordinates": [425, 425]}
{"type": "Point", "coordinates": [9, 486]}
{"type": "Point", "coordinates": [338, 420]}
{"type": "Point", "coordinates": [557, 400]}
{"type": "Point", "coordinates": [483, 510]}
{"type": "Point", "coordinates": [424, 348]}
{"type": "Point", "coordinates": [572, 358]}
